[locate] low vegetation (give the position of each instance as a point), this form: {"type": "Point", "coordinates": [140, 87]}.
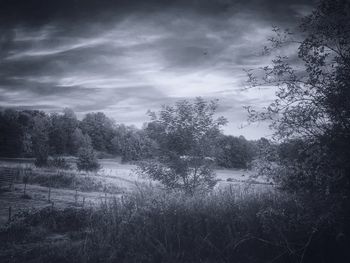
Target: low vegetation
{"type": "Point", "coordinates": [150, 225]}
{"type": "Point", "coordinates": [67, 179]}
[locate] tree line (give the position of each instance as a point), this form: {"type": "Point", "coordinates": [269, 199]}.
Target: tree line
{"type": "Point", "coordinates": [33, 133]}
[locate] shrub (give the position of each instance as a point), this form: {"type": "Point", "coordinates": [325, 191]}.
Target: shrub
{"type": "Point", "coordinates": [87, 160]}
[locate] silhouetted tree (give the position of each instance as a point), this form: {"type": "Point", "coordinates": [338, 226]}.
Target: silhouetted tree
{"type": "Point", "coordinates": [311, 113]}
{"type": "Point", "coordinates": [313, 104]}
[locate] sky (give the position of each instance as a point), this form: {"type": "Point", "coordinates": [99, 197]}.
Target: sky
{"type": "Point", "coordinates": [126, 57]}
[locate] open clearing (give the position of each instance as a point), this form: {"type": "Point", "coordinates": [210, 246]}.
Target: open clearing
{"type": "Point", "coordinates": [112, 173]}
{"type": "Point", "coordinates": [113, 168]}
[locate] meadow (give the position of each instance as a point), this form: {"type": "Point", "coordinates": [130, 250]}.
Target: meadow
{"type": "Point", "coordinates": [66, 186]}
{"type": "Point", "coordinates": [115, 216]}
{"type": "Point", "coordinates": [153, 225]}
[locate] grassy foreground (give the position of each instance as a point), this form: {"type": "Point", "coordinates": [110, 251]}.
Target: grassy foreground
{"type": "Point", "coordinates": [151, 225]}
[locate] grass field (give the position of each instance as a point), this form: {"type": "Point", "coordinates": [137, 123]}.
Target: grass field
{"type": "Point", "coordinates": [113, 168]}
{"type": "Point", "coordinates": [115, 216]}
{"type": "Point", "coordinates": [114, 179]}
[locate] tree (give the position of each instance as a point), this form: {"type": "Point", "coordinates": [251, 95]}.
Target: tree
{"type": "Point", "coordinates": [79, 140]}
{"type": "Point", "coordinates": [132, 144]}
{"type": "Point", "coordinates": [184, 134]}
{"type": "Point", "coordinates": [313, 99]}
{"type": "Point", "coordinates": [11, 134]}
{"type": "Point", "coordinates": [57, 135]}
{"type": "Point", "coordinates": [40, 139]}
{"type": "Point", "coordinates": [61, 132]}
{"type": "Point", "coordinates": [87, 160]}
{"type": "Point", "coordinates": [101, 130]}
{"type": "Point", "coordinates": [70, 123]}
{"type": "Point", "coordinates": [311, 113]}
{"type": "Point", "coordinates": [234, 152]}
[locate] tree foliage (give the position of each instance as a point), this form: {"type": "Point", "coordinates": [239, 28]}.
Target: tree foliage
{"type": "Point", "coordinates": [40, 140]}
{"type": "Point", "coordinates": [61, 132]}
{"type": "Point", "coordinates": [64, 135]}
{"type": "Point", "coordinates": [185, 134]}
{"type": "Point", "coordinates": [101, 130]}
{"type": "Point", "coordinates": [132, 144]}
{"type": "Point", "coordinates": [311, 113]}
{"type": "Point", "coordinates": [87, 159]}
{"type": "Point", "coordinates": [10, 130]}
{"type": "Point", "coordinates": [234, 152]}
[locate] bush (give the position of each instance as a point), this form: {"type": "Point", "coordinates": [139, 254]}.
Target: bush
{"type": "Point", "coordinates": [87, 160]}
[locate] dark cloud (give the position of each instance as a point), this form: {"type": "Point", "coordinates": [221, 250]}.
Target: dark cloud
{"type": "Point", "coordinates": [40, 12]}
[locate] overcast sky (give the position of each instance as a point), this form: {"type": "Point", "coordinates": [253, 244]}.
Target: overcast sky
{"type": "Point", "coordinates": [125, 57]}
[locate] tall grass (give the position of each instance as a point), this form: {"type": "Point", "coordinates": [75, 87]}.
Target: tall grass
{"type": "Point", "coordinates": [151, 225]}
{"type": "Point", "coordinates": [225, 226]}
